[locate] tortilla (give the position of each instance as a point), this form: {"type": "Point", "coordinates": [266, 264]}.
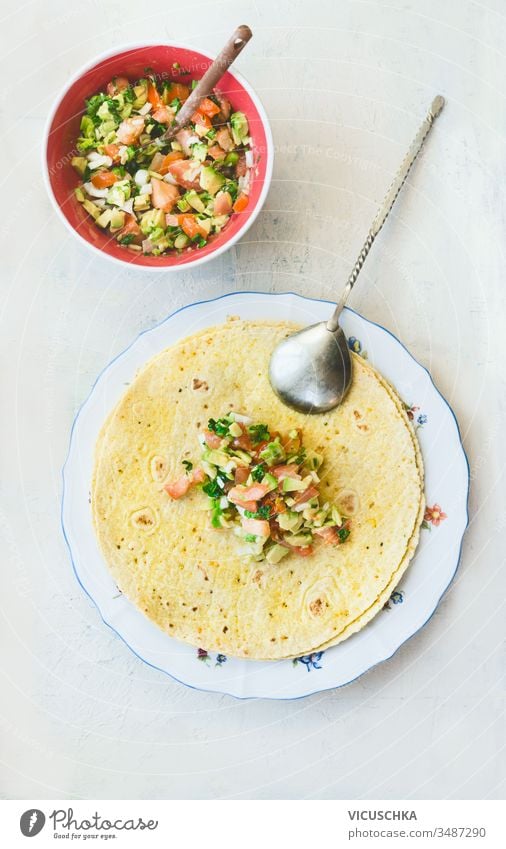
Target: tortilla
{"type": "Point", "coordinates": [187, 577]}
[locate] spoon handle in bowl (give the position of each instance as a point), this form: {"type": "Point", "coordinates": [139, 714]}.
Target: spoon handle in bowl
{"type": "Point", "coordinates": [388, 202]}
{"type": "Point", "coordinates": [237, 42]}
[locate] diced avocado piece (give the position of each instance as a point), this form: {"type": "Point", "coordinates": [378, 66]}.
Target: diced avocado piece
{"type": "Point", "coordinates": [301, 539]}
{"type": "Point", "coordinates": [104, 219]}
{"type": "Point", "coordinates": [183, 205]}
{"type": "Point", "coordinates": [80, 196]}
{"type": "Point", "coordinates": [84, 144]}
{"type": "Point", "coordinates": [142, 202]}
{"type": "Point", "coordinates": [235, 429]}
{"type": "Point", "coordinates": [218, 221]}
{"type": "Point", "coordinates": [273, 453]}
{"type": "Point", "coordinates": [126, 111]}
{"type": "Point", "coordinates": [157, 234]}
{"type": "Point", "coordinates": [193, 199]}
{"type": "Point", "coordinates": [117, 219]}
{"type": "Point", "coordinates": [161, 245]}
{"type": "Point", "coordinates": [199, 151]}
{"type": "Point", "coordinates": [313, 460]}
{"type": "Point", "coordinates": [151, 220]}
{"type": "Point", "coordinates": [336, 516]}
{"type": "Point", "coordinates": [205, 223]}
{"type": "Point", "coordinates": [141, 94]}
{"type": "Point", "coordinates": [232, 158]}
{"type": "Point", "coordinates": [239, 125]}
{"type": "Point", "coordinates": [270, 481]}
{"type": "Point", "coordinates": [289, 521]}
{"type": "Point", "coordinates": [276, 553]}
{"type": "Point", "coordinates": [181, 241]}
{"type": "Point", "coordinates": [292, 485]}
{"type": "Point", "coordinates": [87, 127]}
{"type": "Point", "coordinates": [217, 458]}
{"type": "Point", "coordinates": [243, 455]}
{"type": "Point", "coordinates": [80, 164]}
{"type": "Point", "coordinates": [92, 208]}
{"type": "Point", "coordinates": [210, 180]}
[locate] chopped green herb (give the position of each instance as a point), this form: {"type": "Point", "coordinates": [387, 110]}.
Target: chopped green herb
{"type": "Point", "coordinates": [258, 472]}
{"type": "Point", "coordinates": [219, 426]}
{"type": "Point", "coordinates": [250, 538]}
{"type": "Point", "coordinates": [259, 433]}
{"type": "Point", "coordinates": [126, 240]}
{"type": "Point", "coordinates": [188, 466]}
{"type": "Point", "coordinates": [343, 534]}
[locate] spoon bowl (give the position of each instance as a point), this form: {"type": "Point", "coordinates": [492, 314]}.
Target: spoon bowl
{"type": "Point", "coordinates": [311, 370]}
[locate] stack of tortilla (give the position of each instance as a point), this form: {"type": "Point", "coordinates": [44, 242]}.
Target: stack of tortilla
{"type": "Point", "coordinates": [188, 577]}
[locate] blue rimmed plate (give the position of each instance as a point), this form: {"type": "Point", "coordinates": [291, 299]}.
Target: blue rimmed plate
{"type": "Point", "coordinates": [409, 607]}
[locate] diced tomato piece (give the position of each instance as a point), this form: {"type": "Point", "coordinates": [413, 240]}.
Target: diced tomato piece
{"type": "Point", "coordinates": [307, 495]}
{"type": "Point", "coordinates": [112, 150]}
{"type": "Point", "coordinates": [293, 444]}
{"type": "Point", "coordinates": [241, 203]}
{"type": "Point", "coordinates": [201, 119]}
{"type": "Point", "coordinates": [208, 107]}
{"type": "Point", "coordinates": [240, 494]}
{"type": "Point", "coordinates": [223, 203]}
{"type": "Point", "coordinates": [304, 551]}
{"type": "Point", "coordinates": [173, 156]}
{"type": "Point", "coordinates": [224, 139]}
{"type": "Point", "coordinates": [163, 115]}
{"type": "Point", "coordinates": [241, 474]}
{"type": "Point", "coordinates": [216, 152]}
{"type": "Point", "coordinates": [259, 527]}
{"type": "Point", "coordinates": [164, 196]}
{"type": "Point", "coordinates": [180, 487]}
{"type": "Point", "coordinates": [153, 96]}
{"type": "Point", "coordinates": [329, 535]}
{"type": "Point", "coordinates": [182, 92]}
{"type": "Point", "coordinates": [289, 471]}
{"type": "Point", "coordinates": [116, 85]}
{"type": "Point", "coordinates": [103, 179]}
{"type": "Point", "coordinates": [243, 442]}
{"type": "Point", "coordinates": [190, 225]}
{"type": "Point", "coordinates": [212, 439]}
{"type": "Point", "coordinates": [131, 228]}
{"type": "Point", "coordinates": [130, 129]}
{"type": "Point", "coordinates": [186, 173]}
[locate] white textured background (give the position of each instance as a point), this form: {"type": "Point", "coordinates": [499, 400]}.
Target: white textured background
{"type": "Point", "coordinates": [345, 85]}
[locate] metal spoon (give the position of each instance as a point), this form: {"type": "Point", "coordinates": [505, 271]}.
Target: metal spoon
{"type": "Point", "coordinates": [311, 370]}
{"type": "Point", "coordinates": [237, 41]}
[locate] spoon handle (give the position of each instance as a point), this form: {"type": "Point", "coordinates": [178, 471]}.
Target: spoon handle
{"type": "Point", "coordinates": [388, 202]}
{"type": "Point", "coordinates": [237, 41]}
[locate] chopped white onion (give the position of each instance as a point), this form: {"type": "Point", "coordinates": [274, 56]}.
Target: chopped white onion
{"type": "Point", "coordinates": [170, 179]}
{"type": "Point", "coordinates": [243, 183]}
{"type": "Point", "coordinates": [224, 502]}
{"type": "Point", "coordinates": [249, 158]}
{"type": "Point", "coordinates": [93, 192]}
{"type": "Point", "coordinates": [98, 160]}
{"type": "Point", "coordinates": [123, 154]}
{"type": "Point", "coordinates": [146, 189]}
{"type": "Point", "coordinates": [141, 177]}
{"type": "Point", "coordinates": [145, 109]}
{"type": "Point", "coordinates": [237, 417]}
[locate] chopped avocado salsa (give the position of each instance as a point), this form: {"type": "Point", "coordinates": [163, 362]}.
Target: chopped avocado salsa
{"type": "Point", "coordinates": [161, 197]}
{"type": "Point", "coordinates": [265, 487]}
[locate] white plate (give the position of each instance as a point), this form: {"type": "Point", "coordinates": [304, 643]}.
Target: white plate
{"type": "Point", "coordinates": [410, 606]}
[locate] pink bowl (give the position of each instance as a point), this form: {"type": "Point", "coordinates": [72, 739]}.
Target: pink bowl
{"type": "Point", "coordinates": [63, 129]}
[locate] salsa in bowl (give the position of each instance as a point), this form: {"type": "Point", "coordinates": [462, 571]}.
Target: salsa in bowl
{"type": "Point", "coordinates": [150, 203]}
